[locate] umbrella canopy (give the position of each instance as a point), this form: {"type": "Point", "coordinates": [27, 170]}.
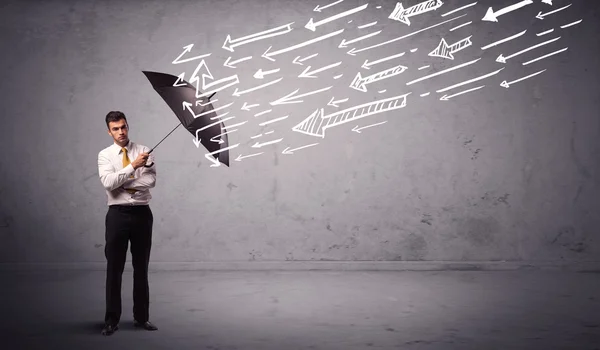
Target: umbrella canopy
{"type": "Point", "coordinates": [203, 123]}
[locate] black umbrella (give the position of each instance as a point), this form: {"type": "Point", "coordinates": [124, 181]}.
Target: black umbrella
{"type": "Point", "coordinates": [182, 98]}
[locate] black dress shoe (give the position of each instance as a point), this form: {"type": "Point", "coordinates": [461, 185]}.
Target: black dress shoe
{"type": "Point", "coordinates": [109, 329]}
{"type": "Point", "coordinates": [146, 325]}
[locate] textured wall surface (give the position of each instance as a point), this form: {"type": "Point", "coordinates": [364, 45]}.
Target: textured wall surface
{"type": "Point", "coordinates": [493, 173]}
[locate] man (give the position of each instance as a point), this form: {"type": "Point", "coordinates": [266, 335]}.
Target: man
{"type": "Point", "coordinates": [129, 218]}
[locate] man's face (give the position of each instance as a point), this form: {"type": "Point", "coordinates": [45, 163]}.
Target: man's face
{"type": "Point", "coordinates": [118, 130]}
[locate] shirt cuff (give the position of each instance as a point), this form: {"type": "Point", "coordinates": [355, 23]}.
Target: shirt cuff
{"type": "Point", "coordinates": [129, 169]}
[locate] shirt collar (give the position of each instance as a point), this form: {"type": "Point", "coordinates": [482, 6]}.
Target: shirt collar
{"type": "Point", "coordinates": [128, 146]}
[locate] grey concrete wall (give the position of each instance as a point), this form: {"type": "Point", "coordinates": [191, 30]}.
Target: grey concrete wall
{"type": "Point", "coordinates": [493, 174]}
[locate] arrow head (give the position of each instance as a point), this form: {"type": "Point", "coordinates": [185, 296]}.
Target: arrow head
{"type": "Point", "coordinates": [357, 129]}
{"type": "Point", "coordinates": [295, 61]}
{"type": "Point", "coordinates": [490, 16]}
{"type": "Point", "coordinates": [266, 55]}
{"type": "Point", "coordinates": [259, 74]}
{"type": "Point", "coordinates": [285, 151]}
{"type": "Point", "coordinates": [304, 74]}
{"type": "Point", "coordinates": [236, 93]}
{"type": "Point", "coordinates": [227, 43]}
{"type": "Point", "coordinates": [365, 65]}
{"type": "Point", "coordinates": [310, 25]}
{"type": "Point", "coordinates": [317, 9]}
{"type": "Point", "coordinates": [501, 59]}
{"type": "Point", "coordinates": [196, 142]}
{"type": "Point", "coordinates": [186, 104]}
{"type": "Point", "coordinates": [442, 50]}
{"type": "Point", "coordinates": [226, 64]}
{"type": "Point", "coordinates": [444, 98]}
{"type": "Point", "coordinates": [239, 158]}
{"type": "Point", "coordinates": [539, 16]}
{"type": "Point", "coordinates": [342, 44]}
{"type": "Point", "coordinates": [352, 52]}
{"type": "Point", "coordinates": [403, 19]}
{"type": "Point", "coordinates": [505, 84]}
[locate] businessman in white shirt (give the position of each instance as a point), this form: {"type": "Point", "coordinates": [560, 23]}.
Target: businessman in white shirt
{"type": "Point", "coordinates": [127, 172]}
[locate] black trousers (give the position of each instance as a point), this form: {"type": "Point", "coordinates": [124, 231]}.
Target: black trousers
{"type": "Point", "coordinates": [124, 224]}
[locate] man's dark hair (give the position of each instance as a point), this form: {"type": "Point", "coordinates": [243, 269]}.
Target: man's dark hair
{"type": "Point", "coordinates": [115, 116]}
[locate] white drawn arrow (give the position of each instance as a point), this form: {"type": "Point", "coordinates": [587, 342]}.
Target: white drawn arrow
{"type": "Point", "coordinates": [334, 103]}
{"type": "Point", "coordinates": [230, 44]}
{"type": "Point", "coordinates": [231, 64]}
{"type": "Point", "coordinates": [313, 25]}
{"type": "Point", "coordinates": [317, 122]}
{"type": "Point", "coordinates": [504, 40]}
{"type": "Point", "coordinates": [508, 84]}
{"type": "Point", "coordinates": [447, 97]}
{"type": "Point", "coordinates": [268, 55]}
{"type": "Point", "coordinates": [545, 56]}
{"type": "Point", "coordinates": [186, 50]}
{"type": "Point", "coordinates": [220, 140]}
{"type": "Point", "coordinates": [445, 51]}
{"type": "Point", "coordinates": [502, 59]}
{"type": "Point", "coordinates": [400, 14]}
{"type": "Point", "coordinates": [260, 74]}
{"type": "Point", "coordinates": [180, 80]}
{"type": "Point", "coordinates": [307, 74]}
{"type": "Point", "coordinates": [205, 86]}
{"type": "Point", "coordinates": [291, 98]}
{"type": "Point", "coordinates": [353, 51]}
{"type": "Point", "coordinates": [442, 71]}
{"type": "Point", "coordinates": [298, 61]}
{"type": "Point", "coordinates": [240, 157]}
{"type": "Point", "coordinates": [246, 107]}
{"type": "Point", "coordinates": [492, 16]}
{"type": "Point", "coordinates": [345, 43]}
{"type": "Point", "coordinates": [287, 150]}
{"type": "Point", "coordinates": [215, 160]}
{"type": "Point", "coordinates": [541, 16]}
{"type": "Point", "coordinates": [188, 105]}
{"type": "Point", "coordinates": [259, 145]}
{"type": "Point", "coordinates": [470, 80]}
{"type": "Point", "coordinates": [367, 64]}
{"type": "Point", "coordinates": [318, 8]}
{"type": "Point", "coordinates": [239, 93]}
{"type": "Point", "coordinates": [357, 129]}
{"type": "Point", "coordinates": [359, 83]}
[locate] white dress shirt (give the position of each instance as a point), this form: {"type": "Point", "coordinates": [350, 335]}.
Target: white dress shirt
{"type": "Point", "coordinates": [116, 179]}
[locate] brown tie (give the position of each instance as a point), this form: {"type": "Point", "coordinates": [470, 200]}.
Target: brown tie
{"type": "Point", "coordinates": [126, 162]}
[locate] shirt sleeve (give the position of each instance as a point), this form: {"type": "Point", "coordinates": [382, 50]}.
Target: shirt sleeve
{"type": "Point", "coordinates": [110, 178]}
{"type": "Point", "coordinates": [147, 178]}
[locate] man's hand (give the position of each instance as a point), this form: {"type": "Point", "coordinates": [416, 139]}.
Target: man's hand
{"type": "Point", "coordinates": [140, 160]}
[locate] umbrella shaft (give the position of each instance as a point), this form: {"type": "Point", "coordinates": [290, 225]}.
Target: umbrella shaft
{"type": "Point", "coordinates": [164, 138]}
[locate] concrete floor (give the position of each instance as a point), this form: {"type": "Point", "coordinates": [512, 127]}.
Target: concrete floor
{"type": "Point", "coordinates": [284, 310]}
